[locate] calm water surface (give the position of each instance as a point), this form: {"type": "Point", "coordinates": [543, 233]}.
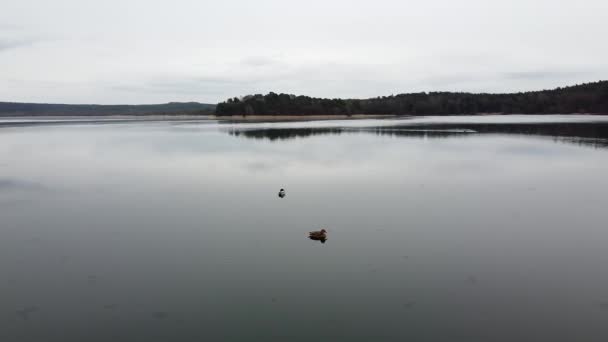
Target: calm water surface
{"type": "Point", "coordinates": [440, 229]}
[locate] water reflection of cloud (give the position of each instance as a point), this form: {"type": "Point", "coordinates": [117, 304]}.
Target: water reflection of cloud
{"type": "Point", "coordinates": [330, 155]}
{"type": "Point", "coordinates": [536, 150]}
{"type": "Point", "coordinates": [257, 166]}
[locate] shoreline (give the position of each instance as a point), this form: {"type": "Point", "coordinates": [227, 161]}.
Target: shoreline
{"type": "Point", "coordinates": [301, 117]}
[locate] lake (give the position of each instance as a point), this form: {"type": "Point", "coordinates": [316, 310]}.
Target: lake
{"type": "Point", "coordinates": [488, 228]}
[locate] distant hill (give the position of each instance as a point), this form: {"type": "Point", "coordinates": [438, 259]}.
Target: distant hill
{"type": "Point", "coordinates": [43, 109]}
{"type": "Point", "coordinates": [584, 98]}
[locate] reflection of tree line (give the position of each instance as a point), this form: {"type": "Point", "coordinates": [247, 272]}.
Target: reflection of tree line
{"type": "Point", "coordinates": [589, 134]}
{"type": "Point", "coordinates": [284, 133]}
{"type": "Point", "coordinates": [592, 142]}
{"type": "Point", "coordinates": [580, 133]}
{"type": "Point", "coordinates": [570, 129]}
{"type": "Point", "coordinates": [414, 132]}
{"type": "Point", "coordinates": [273, 134]}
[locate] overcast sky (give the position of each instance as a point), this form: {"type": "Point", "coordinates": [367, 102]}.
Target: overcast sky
{"type": "Point", "coordinates": [151, 51]}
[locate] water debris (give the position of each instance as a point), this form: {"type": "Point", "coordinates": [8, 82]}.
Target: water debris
{"type": "Point", "coordinates": [26, 312]}
{"type": "Point", "coordinates": [282, 193]}
{"type": "Point", "coordinates": [274, 299]}
{"type": "Point", "coordinates": [603, 305]}
{"type": "Point", "coordinates": [110, 306]}
{"type": "Point", "coordinates": [92, 279]}
{"type": "Point", "coordinates": [472, 279]}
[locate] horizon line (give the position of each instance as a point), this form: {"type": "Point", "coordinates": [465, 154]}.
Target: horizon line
{"type": "Point", "coordinates": [332, 98]}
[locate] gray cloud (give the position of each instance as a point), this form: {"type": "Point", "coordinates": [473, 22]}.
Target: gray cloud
{"type": "Point", "coordinates": [15, 36]}
{"type": "Point", "coordinates": [261, 61]}
{"type": "Point", "coordinates": [191, 86]}
{"type": "Point", "coordinates": [207, 50]}
{"type": "Point", "coordinates": [17, 184]}
{"type": "Point", "coordinates": [547, 74]}
{"type": "Point", "coordinates": [6, 44]}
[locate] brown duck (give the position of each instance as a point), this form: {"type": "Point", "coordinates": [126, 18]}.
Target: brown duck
{"type": "Point", "coordinates": [320, 235]}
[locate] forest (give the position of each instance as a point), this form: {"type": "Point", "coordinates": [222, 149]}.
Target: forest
{"type": "Point", "coordinates": [583, 98]}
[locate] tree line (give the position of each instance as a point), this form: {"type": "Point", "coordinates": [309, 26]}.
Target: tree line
{"type": "Point", "coordinates": [583, 98]}
{"type": "Point", "coordinates": [44, 109]}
